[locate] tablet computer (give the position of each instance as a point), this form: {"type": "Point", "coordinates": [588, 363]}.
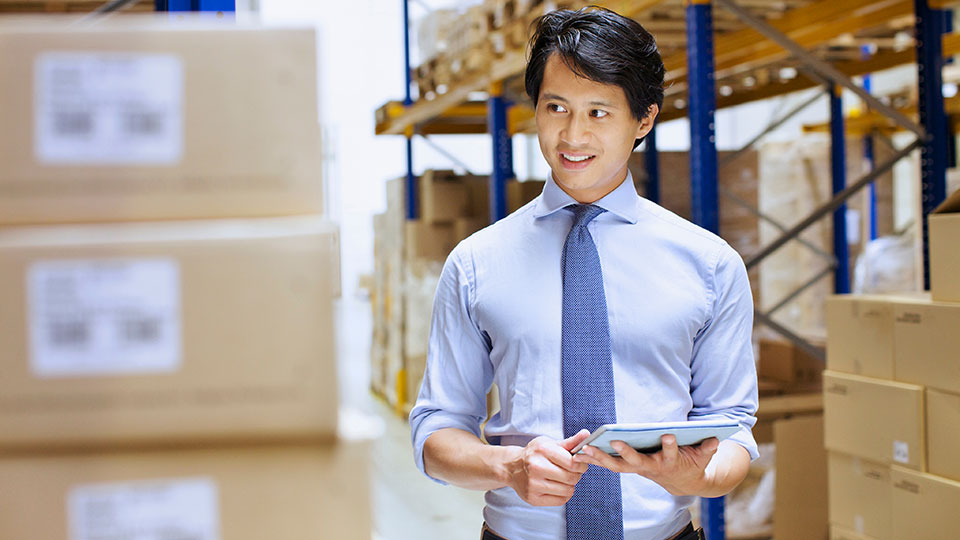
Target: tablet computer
{"type": "Point", "coordinates": [646, 437]}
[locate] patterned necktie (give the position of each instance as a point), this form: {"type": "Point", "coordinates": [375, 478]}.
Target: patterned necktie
{"type": "Point", "coordinates": [595, 512]}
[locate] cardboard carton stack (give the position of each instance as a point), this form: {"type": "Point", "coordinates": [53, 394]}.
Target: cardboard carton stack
{"type": "Point", "coordinates": [409, 257]}
{"type": "Point", "coordinates": [892, 403]}
{"type": "Point", "coordinates": [785, 368]}
{"type": "Point", "coordinates": [167, 362]}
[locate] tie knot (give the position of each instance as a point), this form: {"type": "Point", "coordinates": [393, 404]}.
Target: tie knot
{"type": "Point", "coordinates": [584, 213]}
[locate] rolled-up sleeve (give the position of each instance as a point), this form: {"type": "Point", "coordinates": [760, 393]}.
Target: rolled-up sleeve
{"type": "Point", "coordinates": [724, 376]}
{"type": "Point", "coordinates": [458, 373]}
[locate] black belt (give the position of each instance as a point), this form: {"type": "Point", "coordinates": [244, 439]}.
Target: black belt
{"type": "Point", "coordinates": [688, 533]}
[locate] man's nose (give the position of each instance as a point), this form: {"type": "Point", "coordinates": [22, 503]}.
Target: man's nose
{"type": "Point", "coordinates": [576, 132]}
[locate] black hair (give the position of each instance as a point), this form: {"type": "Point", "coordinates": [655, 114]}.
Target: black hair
{"type": "Point", "coordinates": [603, 46]}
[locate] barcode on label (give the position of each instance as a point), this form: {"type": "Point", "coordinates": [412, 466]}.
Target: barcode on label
{"type": "Point", "coordinates": [143, 123]}
{"type": "Point", "coordinates": [72, 124]}
{"type": "Point", "coordinates": [143, 330]}
{"type": "Point", "coordinates": [69, 333]}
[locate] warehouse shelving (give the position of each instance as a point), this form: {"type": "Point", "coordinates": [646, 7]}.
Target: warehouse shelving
{"type": "Point", "coordinates": [748, 50]}
{"type": "Point", "coordinates": [767, 54]}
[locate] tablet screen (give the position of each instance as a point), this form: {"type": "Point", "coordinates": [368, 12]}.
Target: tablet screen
{"type": "Point", "coordinates": [646, 437]}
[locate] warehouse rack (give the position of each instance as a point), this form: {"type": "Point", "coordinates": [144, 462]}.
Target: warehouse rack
{"type": "Point", "coordinates": [748, 50]}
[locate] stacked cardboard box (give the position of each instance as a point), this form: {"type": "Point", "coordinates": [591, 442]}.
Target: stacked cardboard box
{"type": "Point", "coordinates": [167, 363]}
{"type": "Point", "coordinates": [250, 492]}
{"type": "Point", "coordinates": [409, 256]}
{"type": "Point", "coordinates": [892, 404]}
{"type": "Point", "coordinates": [387, 298]}
{"type": "Point", "coordinates": [800, 501]}
{"type": "Point", "coordinates": [782, 366]}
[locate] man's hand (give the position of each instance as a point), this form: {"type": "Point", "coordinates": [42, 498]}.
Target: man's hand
{"type": "Point", "coordinates": [545, 473]}
{"type": "Point", "coordinates": [679, 470]}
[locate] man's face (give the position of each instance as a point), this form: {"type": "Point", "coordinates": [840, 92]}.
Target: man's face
{"type": "Point", "coordinates": [586, 131]}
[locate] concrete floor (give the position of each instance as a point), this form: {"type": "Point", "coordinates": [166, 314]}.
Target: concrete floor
{"type": "Point", "coordinates": [406, 504]}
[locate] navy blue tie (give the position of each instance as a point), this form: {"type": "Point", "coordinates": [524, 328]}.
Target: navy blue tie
{"type": "Point", "coordinates": [595, 512]}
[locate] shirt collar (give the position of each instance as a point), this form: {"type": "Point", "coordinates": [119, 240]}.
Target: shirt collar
{"type": "Point", "coordinates": [622, 201]}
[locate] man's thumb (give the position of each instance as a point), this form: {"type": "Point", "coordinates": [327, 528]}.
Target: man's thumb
{"type": "Point", "coordinates": [570, 443]}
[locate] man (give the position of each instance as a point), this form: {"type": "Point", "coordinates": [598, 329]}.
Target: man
{"type": "Point", "coordinates": [590, 305]}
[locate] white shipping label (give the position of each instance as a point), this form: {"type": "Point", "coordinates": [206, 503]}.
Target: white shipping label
{"type": "Point", "coordinates": [858, 523]}
{"type": "Point", "coordinates": [181, 509]}
{"type": "Point", "coordinates": [901, 452]}
{"type": "Point", "coordinates": [104, 317]}
{"type": "Point", "coordinates": [108, 108]}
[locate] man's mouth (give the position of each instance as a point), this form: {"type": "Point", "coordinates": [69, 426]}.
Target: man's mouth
{"type": "Point", "coordinates": [576, 158]}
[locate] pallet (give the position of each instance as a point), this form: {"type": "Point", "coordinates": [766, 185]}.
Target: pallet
{"type": "Point", "coordinates": [473, 61]}
{"type": "Point", "coordinates": [504, 12]}
{"type": "Point", "coordinates": [434, 77]}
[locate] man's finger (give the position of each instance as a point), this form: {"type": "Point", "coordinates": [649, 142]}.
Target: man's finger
{"type": "Point", "coordinates": [605, 460]}
{"type": "Point", "coordinates": [559, 453]}
{"type": "Point", "coordinates": [669, 450]}
{"type": "Point", "coordinates": [556, 489]}
{"type": "Point", "coordinates": [561, 457]}
{"type": "Point", "coordinates": [555, 473]}
{"type": "Point", "coordinates": [636, 460]}
{"type": "Point", "coordinates": [709, 446]}
{"type": "Point", "coordinates": [571, 442]}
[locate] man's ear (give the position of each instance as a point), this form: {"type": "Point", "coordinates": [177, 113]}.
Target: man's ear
{"type": "Point", "coordinates": [647, 123]}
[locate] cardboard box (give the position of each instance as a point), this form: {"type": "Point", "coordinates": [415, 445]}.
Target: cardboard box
{"type": "Point", "coordinates": [840, 533]}
{"type": "Point", "coordinates": [944, 225]}
{"type": "Point", "coordinates": [158, 333]}
{"type": "Point", "coordinates": [924, 505]}
{"type": "Point", "coordinates": [943, 434]}
{"type": "Point", "coordinates": [785, 362]}
{"type": "Point", "coordinates": [478, 188]}
{"type": "Point", "coordinates": [520, 193]}
{"type": "Point", "coordinates": [414, 367]}
{"type": "Point", "coordinates": [137, 119]}
{"type": "Point", "coordinates": [874, 419]}
{"type": "Point", "coordinates": [860, 495]}
{"type": "Point", "coordinates": [800, 510]}
{"type": "Point", "coordinates": [443, 198]}
{"type": "Point", "coordinates": [464, 227]}
{"type": "Point", "coordinates": [860, 335]}
{"type": "Point", "coordinates": [778, 407]}
{"type": "Point", "coordinates": [927, 344]}
{"type": "Point", "coordinates": [252, 493]}
{"type": "Point", "coordinates": [426, 241]}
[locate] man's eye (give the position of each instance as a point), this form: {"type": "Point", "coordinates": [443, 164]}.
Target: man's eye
{"type": "Point", "coordinates": [553, 107]}
{"type": "Point", "coordinates": [597, 113]}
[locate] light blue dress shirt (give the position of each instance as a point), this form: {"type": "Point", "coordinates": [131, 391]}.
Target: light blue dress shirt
{"type": "Point", "coordinates": [681, 315]}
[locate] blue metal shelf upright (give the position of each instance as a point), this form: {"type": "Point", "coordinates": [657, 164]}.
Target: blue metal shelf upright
{"type": "Point", "coordinates": [502, 145]}
{"type": "Point", "coordinates": [703, 169]}
{"type": "Point", "coordinates": [931, 24]}
{"type": "Point", "coordinates": [196, 5]}
{"type": "Point", "coordinates": [497, 126]}
{"type": "Point", "coordinates": [838, 170]}
{"type": "Point", "coordinates": [651, 162]}
{"type": "Point", "coordinates": [703, 105]}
